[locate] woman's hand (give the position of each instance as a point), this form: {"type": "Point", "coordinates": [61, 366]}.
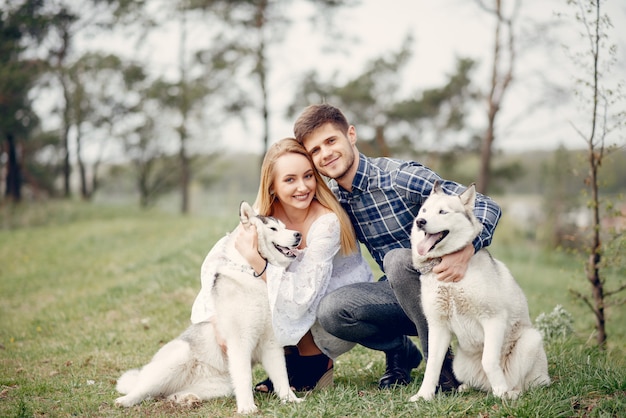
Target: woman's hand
{"type": "Point", "coordinates": [220, 341]}
{"type": "Point", "coordinates": [453, 266]}
{"type": "Point", "coordinates": [246, 242]}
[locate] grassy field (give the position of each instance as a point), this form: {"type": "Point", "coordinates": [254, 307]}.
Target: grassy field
{"type": "Point", "coordinates": [87, 292]}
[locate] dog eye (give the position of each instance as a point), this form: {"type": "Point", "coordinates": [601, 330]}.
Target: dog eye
{"type": "Point", "coordinates": [274, 228]}
{"type": "Point", "coordinates": [442, 212]}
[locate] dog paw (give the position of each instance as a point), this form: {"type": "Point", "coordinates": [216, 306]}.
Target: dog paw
{"type": "Point", "coordinates": [246, 409]}
{"type": "Point", "coordinates": [512, 394]}
{"type": "Point", "coordinates": [464, 387]}
{"type": "Point", "coordinates": [185, 399]}
{"type": "Point", "coordinates": [422, 394]}
{"type": "Point", "coordinates": [125, 402]}
{"type": "Point", "coordinates": [291, 397]}
{"type": "Point", "coordinates": [287, 396]}
{"type": "Point", "coordinates": [500, 391]}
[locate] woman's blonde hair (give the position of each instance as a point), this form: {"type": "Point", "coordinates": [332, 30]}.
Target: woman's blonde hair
{"type": "Point", "coordinates": [265, 199]}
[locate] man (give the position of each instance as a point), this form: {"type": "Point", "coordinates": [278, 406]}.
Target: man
{"type": "Point", "coordinates": [382, 197]}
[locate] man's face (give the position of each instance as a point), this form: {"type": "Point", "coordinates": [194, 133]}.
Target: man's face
{"type": "Point", "coordinates": [333, 152]}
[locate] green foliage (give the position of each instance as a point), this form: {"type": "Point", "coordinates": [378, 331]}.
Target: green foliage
{"type": "Point", "coordinates": [87, 292]}
{"type": "Point", "coordinates": [558, 324]}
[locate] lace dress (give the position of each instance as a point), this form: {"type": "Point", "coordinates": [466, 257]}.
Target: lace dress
{"type": "Point", "coordinates": [295, 292]}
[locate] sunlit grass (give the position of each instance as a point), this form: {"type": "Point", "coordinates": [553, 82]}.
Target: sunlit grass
{"type": "Point", "coordinates": [88, 292]}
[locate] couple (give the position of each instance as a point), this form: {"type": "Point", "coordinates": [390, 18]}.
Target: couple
{"type": "Point", "coordinates": [326, 301]}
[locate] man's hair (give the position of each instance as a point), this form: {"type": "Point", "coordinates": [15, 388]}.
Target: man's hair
{"type": "Point", "coordinates": [315, 116]}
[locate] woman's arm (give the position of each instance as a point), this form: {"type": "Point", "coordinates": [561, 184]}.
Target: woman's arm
{"type": "Point", "coordinates": [295, 292]}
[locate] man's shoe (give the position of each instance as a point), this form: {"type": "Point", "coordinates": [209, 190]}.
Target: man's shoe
{"type": "Point", "coordinates": [400, 362]}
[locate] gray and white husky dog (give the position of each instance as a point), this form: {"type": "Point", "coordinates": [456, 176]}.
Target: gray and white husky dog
{"type": "Point", "coordinates": [192, 367]}
{"type": "Point", "coordinates": [498, 349]}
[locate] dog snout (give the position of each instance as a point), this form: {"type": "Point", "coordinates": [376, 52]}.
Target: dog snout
{"type": "Point", "coordinates": [420, 222]}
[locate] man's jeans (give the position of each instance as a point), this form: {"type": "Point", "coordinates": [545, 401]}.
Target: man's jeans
{"type": "Point", "coordinates": [371, 314]}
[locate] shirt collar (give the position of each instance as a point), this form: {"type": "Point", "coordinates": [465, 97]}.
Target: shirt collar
{"type": "Point", "coordinates": [360, 182]}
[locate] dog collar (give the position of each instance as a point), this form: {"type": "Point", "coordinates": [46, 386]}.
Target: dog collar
{"type": "Point", "coordinates": [244, 268]}
{"type": "Point", "coordinates": [428, 266]}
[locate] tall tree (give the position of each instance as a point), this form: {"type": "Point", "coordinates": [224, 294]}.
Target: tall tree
{"type": "Point", "coordinates": [368, 98]}
{"type": "Point", "coordinates": [502, 71]}
{"type": "Point", "coordinates": [391, 123]}
{"type": "Point", "coordinates": [267, 21]}
{"type": "Point", "coordinates": [599, 124]}
{"type": "Point", "coordinates": [99, 88]}
{"type": "Point", "coordinates": [64, 25]}
{"type": "Point", "coordinates": [21, 29]}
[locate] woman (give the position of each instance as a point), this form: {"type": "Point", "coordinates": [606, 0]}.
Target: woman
{"type": "Point", "coordinates": [292, 191]}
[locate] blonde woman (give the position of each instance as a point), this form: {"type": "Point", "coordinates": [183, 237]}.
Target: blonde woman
{"type": "Point", "coordinates": [293, 191]}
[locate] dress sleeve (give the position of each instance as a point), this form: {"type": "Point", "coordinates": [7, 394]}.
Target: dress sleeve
{"type": "Point", "coordinates": [202, 309]}
{"type": "Point", "coordinates": [295, 292]}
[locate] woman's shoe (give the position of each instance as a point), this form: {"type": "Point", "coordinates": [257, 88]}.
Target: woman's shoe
{"type": "Point", "coordinates": [313, 372]}
{"type": "Point", "coordinates": [305, 372]}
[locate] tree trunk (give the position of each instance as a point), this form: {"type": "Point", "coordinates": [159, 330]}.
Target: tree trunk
{"type": "Point", "coordinates": [184, 110]}
{"type": "Point", "coordinates": [14, 171]}
{"type": "Point", "coordinates": [84, 190]}
{"type": "Point", "coordinates": [261, 70]}
{"type": "Point", "coordinates": [500, 81]}
{"type": "Point", "coordinates": [595, 160]}
{"type": "Point", "coordinates": [380, 141]}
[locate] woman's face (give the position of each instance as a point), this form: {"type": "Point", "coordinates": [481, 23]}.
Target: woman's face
{"type": "Point", "coordinates": [294, 181]}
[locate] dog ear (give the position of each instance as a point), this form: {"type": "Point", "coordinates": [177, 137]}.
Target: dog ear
{"type": "Point", "coordinates": [468, 197]}
{"type": "Point", "coordinates": [436, 188]}
{"type": "Point", "coordinates": [246, 212]}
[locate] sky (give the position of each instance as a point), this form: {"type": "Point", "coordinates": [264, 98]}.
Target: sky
{"type": "Point", "coordinates": [442, 31]}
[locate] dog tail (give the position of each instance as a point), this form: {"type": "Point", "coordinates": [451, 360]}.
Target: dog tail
{"type": "Point", "coordinates": [127, 381]}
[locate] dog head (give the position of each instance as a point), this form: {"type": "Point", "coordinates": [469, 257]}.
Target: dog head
{"type": "Point", "coordinates": [277, 244]}
{"type": "Point", "coordinates": [444, 224]}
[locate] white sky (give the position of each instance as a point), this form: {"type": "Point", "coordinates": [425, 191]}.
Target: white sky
{"type": "Point", "coordinates": [442, 30]}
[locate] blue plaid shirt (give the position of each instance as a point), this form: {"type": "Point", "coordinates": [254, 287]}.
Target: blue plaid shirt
{"type": "Point", "coordinates": [386, 196]}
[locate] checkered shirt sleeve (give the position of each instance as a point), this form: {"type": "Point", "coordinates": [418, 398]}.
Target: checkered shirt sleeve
{"type": "Point", "coordinates": [386, 197]}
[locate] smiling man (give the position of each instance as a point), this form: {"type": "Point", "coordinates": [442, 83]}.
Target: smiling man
{"type": "Point", "coordinates": [382, 197]}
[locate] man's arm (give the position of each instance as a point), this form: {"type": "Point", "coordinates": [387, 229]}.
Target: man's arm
{"type": "Point", "coordinates": [417, 180]}
{"type": "Point", "coordinates": [453, 266]}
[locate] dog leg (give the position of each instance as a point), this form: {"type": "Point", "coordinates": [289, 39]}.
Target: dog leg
{"type": "Point", "coordinates": [203, 389]}
{"type": "Point", "coordinates": [495, 329]}
{"type": "Point", "coordinates": [273, 361]}
{"type": "Point", "coordinates": [527, 364]}
{"type": "Point", "coordinates": [439, 337]}
{"type": "Point", "coordinates": [468, 369]}
{"type": "Point", "coordinates": [160, 375]}
{"type": "Point", "coordinates": [240, 369]}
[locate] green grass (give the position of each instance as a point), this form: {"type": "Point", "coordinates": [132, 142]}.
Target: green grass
{"type": "Point", "coordinates": [87, 292]}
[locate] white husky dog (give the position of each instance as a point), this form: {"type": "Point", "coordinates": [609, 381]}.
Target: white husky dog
{"type": "Point", "coordinates": [192, 367]}
{"type": "Point", "coordinates": [498, 349]}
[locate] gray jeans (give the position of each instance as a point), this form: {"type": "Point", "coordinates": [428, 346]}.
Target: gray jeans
{"type": "Point", "coordinates": [378, 315]}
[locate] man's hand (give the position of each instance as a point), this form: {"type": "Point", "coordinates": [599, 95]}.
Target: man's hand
{"type": "Point", "coordinates": [453, 266]}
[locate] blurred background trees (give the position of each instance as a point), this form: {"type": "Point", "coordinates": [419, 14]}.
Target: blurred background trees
{"type": "Point", "coordinates": [88, 110]}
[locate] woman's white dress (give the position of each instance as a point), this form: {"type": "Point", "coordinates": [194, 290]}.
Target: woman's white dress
{"type": "Point", "coordinates": [295, 292]}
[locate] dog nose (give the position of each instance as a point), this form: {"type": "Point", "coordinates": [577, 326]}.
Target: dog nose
{"type": "Point", "coordinates": [420, 222]}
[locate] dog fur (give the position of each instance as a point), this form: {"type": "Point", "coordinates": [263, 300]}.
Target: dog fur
{"type": "Point", "coordinates": [192, 367]}
{"type": "Point", "coordinates": [498, 349]}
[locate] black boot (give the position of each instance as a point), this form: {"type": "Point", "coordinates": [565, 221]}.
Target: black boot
{"type": "Point", "coordinates": [305, 373]}
{"type": "Point", "coordinates": [400, 362]}
{"type": "Point", "coordinates": [447, 379]}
